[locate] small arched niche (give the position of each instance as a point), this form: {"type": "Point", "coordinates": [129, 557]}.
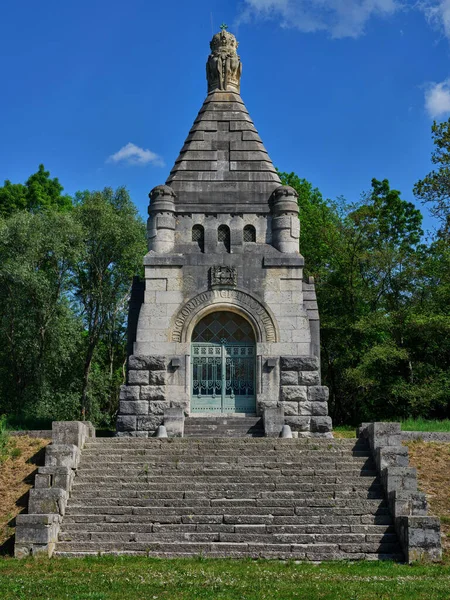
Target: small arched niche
{"type": "Point", "coordinates": [223, 237]}
{"type": "Point", "coordinates": [249, 234]}
{"type": "Point", "coordinates": [198, 236]}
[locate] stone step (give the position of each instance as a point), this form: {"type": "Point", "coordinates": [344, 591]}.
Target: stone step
{"type": "Point", "coordinates": [311, 552]}
{"type": "Point", "coordinates": [224, 503]}
{"type": "Point", "coordinates": [260, 538]}
{"type": "Point", "coordinates": [79, 494]}
{"type": "Point", "coordinates": [247, 520]}
{"type": "Point", "coordinates": [276, 443]}
{"type": "Point", "coordinates": [137, 527]}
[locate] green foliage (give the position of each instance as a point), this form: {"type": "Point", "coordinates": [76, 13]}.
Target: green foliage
{"type": "Point", "coordinates": [65, 278]}
{"type": "Point", "coordinates": [4, 439]}
{"type": "Point", "coordinates": [434, 189]}
{"type": "Point", "coordinates": [37, 194]}
{"type": "Point", "coordinates": [384, 304]}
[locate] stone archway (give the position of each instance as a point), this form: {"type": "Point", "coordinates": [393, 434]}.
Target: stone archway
{"type": "Point", "coordinates": [235, 300]}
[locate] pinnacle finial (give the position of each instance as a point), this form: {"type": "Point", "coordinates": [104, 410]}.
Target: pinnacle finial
{"type": "Point", "coordinates": [223, 69]}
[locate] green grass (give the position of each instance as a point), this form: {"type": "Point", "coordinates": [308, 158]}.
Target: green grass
{"type": "Point", "coordinates": [133, 578]}
{"type": "Point", "coordinates": [425, 425]}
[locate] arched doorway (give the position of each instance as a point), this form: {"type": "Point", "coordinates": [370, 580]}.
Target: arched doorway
{"type": "Point", "coordinates": [223, 364]}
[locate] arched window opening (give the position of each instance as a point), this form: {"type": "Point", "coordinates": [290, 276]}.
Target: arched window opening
{"type": "Point", "coordinates": [223, 236]}
{"type": "Point", "coordinates": [249, 233]}
{"type": "Point", "coordinates": [198, 236]}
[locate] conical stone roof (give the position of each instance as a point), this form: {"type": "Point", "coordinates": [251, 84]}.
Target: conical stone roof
{"type": "Point", "coordinates": [223, 165]}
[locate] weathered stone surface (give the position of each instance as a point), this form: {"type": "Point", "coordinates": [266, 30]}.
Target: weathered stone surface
{"type": "Point", "coordinates": [158, 377]}
{"type": "Point", "coordinates": [321, 424]}
{"type": "Point", "coordinates": [157, 407]}
{"type": "Point", "coordinates": [300, 423]}
{"type": "Point", "coordinates": [299, 363]}
{"type": "Point", "coordinates": [318, 393]}
{"type": "Point", "coordinates": [71, 432]}
{"type": "Point", "coordinates": [130, 392]}
{"type": "Point", "coordinates": [291, 408]}
{"type": "Point", "coordinates": [273, 421]}
{"type": "Point", "coordinates": [126, 423]}
{"type": "Point", "coordinates": [133, 407]}
{"type": "Point", "coordinates": [149, 423]}
{"type": "Point", "coordinates": [152, 363]}
{"type": "Point", "coordinates": [289, 377]}
{"type": "Point", "coordinates": [309, 378]}
{"type": "Point", "coordinates": [47, 501]}
{"type": "Point", "coordinates": [138, 377]}
{"type": "Point", "coordinates": [153, 392]}
{"type": "Point", "coordinates": [293, 393]}
{"type": "Point", "coordinates": [174, 421]}
{"type": "Point", "coordinates": [62, 455]}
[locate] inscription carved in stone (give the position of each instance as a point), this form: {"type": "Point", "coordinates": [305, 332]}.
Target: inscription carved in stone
{"type": "Point", "coordinates": [224, 68]}
{"type": "Point", "coordinates": [223, 276]}
{"type": "Point", "coordinates": [232, 297]}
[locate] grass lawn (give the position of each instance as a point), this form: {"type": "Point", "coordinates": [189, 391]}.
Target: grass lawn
{"type": "Point", "coordinates": [136, 578]}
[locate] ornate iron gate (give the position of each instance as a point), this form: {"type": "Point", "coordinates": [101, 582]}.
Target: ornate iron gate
{"type": "Point", "coordinates": [223, 377]}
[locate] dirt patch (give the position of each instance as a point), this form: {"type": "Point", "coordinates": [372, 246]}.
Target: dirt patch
{"type": "Point", "coordinates": [432, 461]}
{"type": "Point", "coordinates": [16, 478]}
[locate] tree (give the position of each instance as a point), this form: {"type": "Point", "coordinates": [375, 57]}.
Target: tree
{"type": "Point", "coordinates": [38, 332]}
{"type": "Point", "coordinates": [39, 193]}
{"type": "Point", "coordinates": [435, 187]}
{"type": "Point", "coordinates": [114, 244]}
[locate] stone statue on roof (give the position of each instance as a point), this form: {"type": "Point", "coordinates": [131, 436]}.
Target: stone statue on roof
{"type": "Point", "coordinates": [224, 67]}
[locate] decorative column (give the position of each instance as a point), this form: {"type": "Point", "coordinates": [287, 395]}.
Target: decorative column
{"type": "Point", "coordinates": [285, 221]}
{"type": "Point", "coordinates": [161, 221]}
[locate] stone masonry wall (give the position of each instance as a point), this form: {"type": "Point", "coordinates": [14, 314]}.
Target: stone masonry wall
{"type": "Point", "coordinates": [304, 400]}
{"type": "Point", "coordinates": [144, 399]}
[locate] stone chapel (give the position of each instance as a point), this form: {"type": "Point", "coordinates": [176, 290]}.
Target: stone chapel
{"type": "Point", "coordinates": [225, 323]}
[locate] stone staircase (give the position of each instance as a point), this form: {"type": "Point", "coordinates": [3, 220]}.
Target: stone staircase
{"type": "Point", "coordinates": [223, 427]}
{"type": "Point", "coordinates": [314, 499]}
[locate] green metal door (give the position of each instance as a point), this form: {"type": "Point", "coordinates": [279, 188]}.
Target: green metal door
{"type": "Point", "coordinates": [223, 365]}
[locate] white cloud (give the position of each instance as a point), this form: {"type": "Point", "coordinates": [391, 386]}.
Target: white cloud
{"type": "Point", "coordinates": [437, 13]}
{"type": "Point", "coordinates": [437, 99]}
{"type": "Point", "coordinates": [340, 18]}
{"type": "Point", "coordinates": [134, 155]}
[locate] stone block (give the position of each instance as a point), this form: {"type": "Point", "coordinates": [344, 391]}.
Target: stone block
{"type": "Point", "coordinates": [36, 534]}
{"type": "Point", "coordinates": [138, 377]}
{"type": "Point", "coordinates": [157, 407]}
{"type": "Point", "coordinates": [384, 434]}
{"type": "Point", "coordinates": [299, 363]}
{"type": "Point", "coordinates": [153, 392]}
{"type": "Point", "coordinates": [70, 432]}
{"type": "Point", "coordinates": [309, 378]}
{"type": "Point", "coordinates": [273, 419]}
{"type": "Point", "coordinates": [60, 477]}
{"type": "Point", "coordinates": [407, 503]}
{"type": "Point", "coordinates": [292, 393]}
{"type": "Point", "coordinates": [152, 363]}
{"type": "Point", "coordinates": [318, 393]}
{"type": "Point", "coordinates": [149, 423]}
{"type": "Point", "coordinates": [289, 377]}
{"type": "Point", "coordinates": [290, 408]}
{"type": "Point", "coordinates": [42, 480]}
{"type": "Point", "coordinates": [305, 408]}
{"type": "Point", "coordinates": [174, 422]}
{"type": "Point", "coordinates": [319, 409]}
{"type": "Point", "coordinates": [392, 456]}
{"type": "Point", "coordinates": [126, 423]}
{"type": "Point", "coordinates": [400, 478]}
{"type": "Point", "coordinates": [300, 423]}
{"type": "Point", "coordinates": [158, 377]}
{"type": "Point", "coordinates": [129, 392]}
{"type": "Point", "coordinates": [47, 501]}
{"type": "Point", "coordinates": [321, 424]}
{"type": "Point", "coordinates": [133, 407]}
{"type": "Point", "coordinates": [62, 455]}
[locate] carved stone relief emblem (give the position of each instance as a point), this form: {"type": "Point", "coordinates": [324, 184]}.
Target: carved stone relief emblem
{"type": "Point", "coordinates": [223, 276]}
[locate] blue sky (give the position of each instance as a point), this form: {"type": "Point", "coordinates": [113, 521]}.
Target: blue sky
{"type": "Point", "coordinates": [105, 92]}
